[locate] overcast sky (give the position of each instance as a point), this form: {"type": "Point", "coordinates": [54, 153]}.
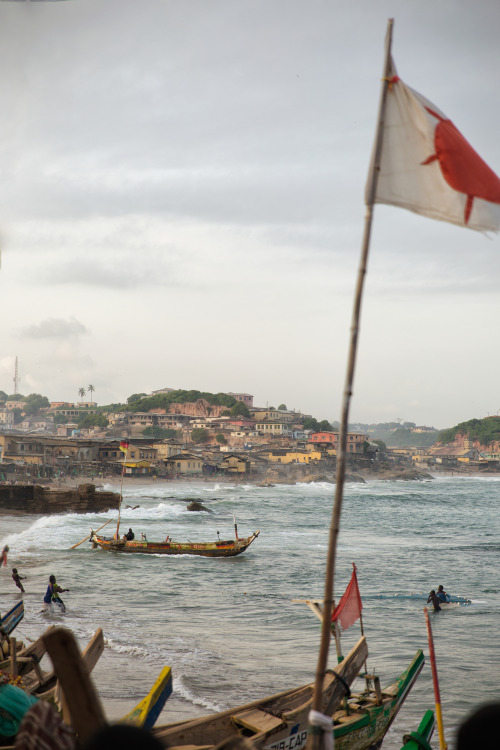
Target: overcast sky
{"type": "Point", "coordinates": [181, 204]}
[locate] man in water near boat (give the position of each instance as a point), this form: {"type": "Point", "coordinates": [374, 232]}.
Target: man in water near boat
{"type": "Point", "coordinates": [435, 600]}
{"type": "Point", "coordinates": [17, 579]}
{"type": "Point", "coordinates": [52, 594]}
{"type": "Point", "coordinates": [442, 595]}
{"type": "Point", "coordinates": [129, 535]}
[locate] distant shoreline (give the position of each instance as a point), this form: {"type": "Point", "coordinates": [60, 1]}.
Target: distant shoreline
{"type": "Point", "coordinates": [116, 482]}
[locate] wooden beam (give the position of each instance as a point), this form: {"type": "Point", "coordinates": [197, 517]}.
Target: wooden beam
{"type": "Point", "coordinates": [13, 657]}
{"type": "Point", "coordinates": [84, 705]}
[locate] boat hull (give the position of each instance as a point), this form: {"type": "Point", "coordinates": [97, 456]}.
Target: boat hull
{"type": "Point", "coordinates": [281, 722]}
{"type": "Point", "coordinates": [270, 721]}
{"type": "Point", "coordinates": [365, 724]}
{"type": "Point", "coordinates": [12, 618]}
{"type": "Point", "coordinates": [422, 737]}
{"type": "Point", "coordinates": [229, 548]}
{"type": "Point", "coordinates": [148, 710]}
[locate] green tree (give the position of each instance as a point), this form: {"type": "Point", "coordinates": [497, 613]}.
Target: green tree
{"type": "Point", "coordinates": [282, 407]}
{"type": "Point", "coordinates": [484, 430]}
{"type": "Point", "coordinates": [382, 446]}
{"type": "Point", "coordinates": [199, 435]}
{"type": "Point", "coordinates": [163, 400]}
{"type": "Point", "coordinates": [221, 439]}
{"type": "Point", "coordinates": [325, 426]}
{"type": "Point", "coordinates": [310, 423]}
{"type": "Point", "coordinates": [81, 393]}
{"type": "Point", "coordinates": [136, 397]}
{"type": "Point", "coordinates": [92, 420]}
{"type": "Point", "coordinates": [15, 397]}
{"type": "Point", "coordinates": [18, 415]}
{"type": "Point", "coordinates": [239, 409]}
{"type": "Point", "coordinates": [3, 396]}
{"type": "Point", "coordinates": [35, 402]}
{"type": "Point", "coordinates": [91, 390]}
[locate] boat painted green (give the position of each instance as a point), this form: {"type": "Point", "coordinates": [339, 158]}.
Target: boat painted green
{"type": "Point", "coordinates": [281, 722]}
{"type": "Point", "coordinates": [363, 724]}
{"type": "Point", "coordinates": [420, 740]}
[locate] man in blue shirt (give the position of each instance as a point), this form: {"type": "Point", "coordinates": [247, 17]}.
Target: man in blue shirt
{"type": "Point", "coordinates": [442, 595]}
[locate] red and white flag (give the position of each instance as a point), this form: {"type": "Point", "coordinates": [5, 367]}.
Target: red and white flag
{"type": "Point", "coordinates": [349, 607]}
{"type": "Point", "coordinates": [428, 167]}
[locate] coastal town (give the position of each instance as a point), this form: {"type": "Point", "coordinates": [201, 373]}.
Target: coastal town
{"type": "Point", "coordinates": [173, 434]}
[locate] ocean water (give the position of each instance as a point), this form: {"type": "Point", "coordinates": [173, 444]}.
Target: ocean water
{"type": "Point", "coordinates": [228, 627]}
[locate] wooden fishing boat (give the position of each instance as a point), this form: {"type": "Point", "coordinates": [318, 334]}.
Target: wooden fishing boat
{"type": "Point", "coordinates": [75, 672]}
{"type": "Point", "coordinates": [147, 711]}
{"type": "Point", "coordinates": [363, 722]}
{"type": "Point", "coordinates": [420, 739]}
{"type": "Point", "coordinates": [23, 660]}
{"type": "Point", "coordinates": [268, 721]}
{"type": "Point", "coordinates": [227, 548]}
{"type": "Point", "coordinates": [8, 623]}
{"type": "Point", "coordinates": [82, 708]}
{"type": "Point", "coordinates": [12, 618]}
{"type": "Point", "coordinates": [281, 721]}
{"type": "Point", "coordinates": [26, 664]}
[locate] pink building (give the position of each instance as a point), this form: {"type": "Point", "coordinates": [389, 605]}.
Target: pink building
{"type": "Point", "coordinates": [354, 444]}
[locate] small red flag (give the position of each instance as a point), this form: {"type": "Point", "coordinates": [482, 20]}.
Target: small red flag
{"type": "Point", "coordinates": [349, 607]}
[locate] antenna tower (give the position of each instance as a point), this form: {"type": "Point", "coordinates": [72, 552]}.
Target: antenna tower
{"type": "Point", "coordinates": [16, 379]}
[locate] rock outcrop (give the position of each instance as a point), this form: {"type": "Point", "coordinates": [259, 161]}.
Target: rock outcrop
{"type": "Point", "coordinates": [406, 474]}
{"type": "Point", "coordinates": [33, 498]}
{"type": "Point", "coordinates": [196, 506]}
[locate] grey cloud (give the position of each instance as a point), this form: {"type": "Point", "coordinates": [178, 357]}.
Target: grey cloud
{"type": "Point", "coordinates": [108, 265]}
{"type": "Point", "coordinates": [55, 328]}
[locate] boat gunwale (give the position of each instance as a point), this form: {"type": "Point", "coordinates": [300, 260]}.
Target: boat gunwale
{"type": "Point", "coordinates": [217, 548]}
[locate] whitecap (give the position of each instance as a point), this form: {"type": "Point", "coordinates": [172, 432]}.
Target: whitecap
{"type": "Point", "coordinates": [181, 689]}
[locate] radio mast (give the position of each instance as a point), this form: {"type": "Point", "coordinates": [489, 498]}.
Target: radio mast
{"type": "Point", "coordinates": [16, 379]}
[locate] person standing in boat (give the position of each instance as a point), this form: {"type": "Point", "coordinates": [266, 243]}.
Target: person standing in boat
{"type": "Point", "coordinates": [129, 535]}
{"type": "Point", "coordinates": [442, 595]}
{"type": "Point", "coordinates": [435, 600]}
{"type": "Point", "coordinates": [17, 579]}
{"type": "Point", "coordinates": [52, 594]}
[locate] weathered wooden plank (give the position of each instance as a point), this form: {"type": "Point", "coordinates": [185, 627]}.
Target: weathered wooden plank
{"type": "Point", "coordinates": [84, 705]}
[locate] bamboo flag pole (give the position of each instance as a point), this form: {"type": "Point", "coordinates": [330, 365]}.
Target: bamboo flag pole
{"type": "Point", "coordinates": [314, 737]}
{"type": "Point", "coordinates": [437, 696]}
{"type": "Point", "coordinates": [121, 493]}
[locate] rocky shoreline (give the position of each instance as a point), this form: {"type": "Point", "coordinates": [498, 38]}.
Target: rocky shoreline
{"type": "Point", "coordinates": [408, 475]}
{"type": "Point", "coordinates": [58, 489]}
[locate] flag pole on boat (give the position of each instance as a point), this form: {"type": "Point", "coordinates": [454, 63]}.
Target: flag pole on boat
{"type": "Point", "coordinates": [317, 720]}
{"type": "Point", "coordinates": [437, 696]}
{"type": "Point", "coordinates": [124, 448]}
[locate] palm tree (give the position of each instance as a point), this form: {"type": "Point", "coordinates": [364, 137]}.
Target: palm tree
{"type": "Point", "coordinates": [81, 393]}
{"type": "Point", "coordinates": [91, 390]}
